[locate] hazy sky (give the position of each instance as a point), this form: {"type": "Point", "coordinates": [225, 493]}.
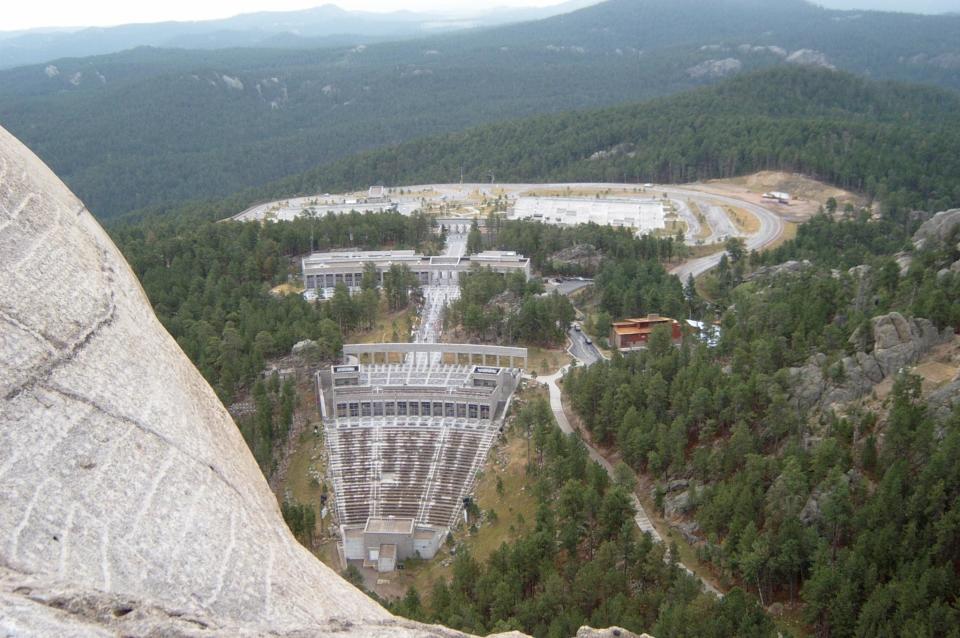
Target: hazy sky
{"type": "Point", "coordinates": [25, 14]}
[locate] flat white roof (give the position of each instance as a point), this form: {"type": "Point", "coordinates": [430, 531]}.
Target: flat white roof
{"type": "Point", "coordinates": [389, 526]}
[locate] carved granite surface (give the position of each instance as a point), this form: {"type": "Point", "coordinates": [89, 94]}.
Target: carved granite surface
{"type": "Point", "coordinates": [123, 479]}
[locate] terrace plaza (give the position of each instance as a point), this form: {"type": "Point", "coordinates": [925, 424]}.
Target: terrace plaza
{"type": "Point", "coordinates": [407, 427]}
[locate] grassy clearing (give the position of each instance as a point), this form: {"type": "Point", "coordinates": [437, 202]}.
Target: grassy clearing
{"type": "Point", "coordinates": [704, 250]}
{"type": "Point", "coordinates": [546, 361]}
{"type": "Point", "coordinates": [304, 484]}
{"type": "Point", "coordinates": [745, 221]}
{"type": "Point", "coordinates": [390, 327]}
{"type": "Point", "coordinates": [307, 467]}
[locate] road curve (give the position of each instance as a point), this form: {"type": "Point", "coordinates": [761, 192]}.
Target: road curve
{"type": "Point", "coordinates": [771, 226]}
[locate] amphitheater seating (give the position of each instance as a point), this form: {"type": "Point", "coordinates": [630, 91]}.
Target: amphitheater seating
{"type": "Point", "coordinates": [405, 467]}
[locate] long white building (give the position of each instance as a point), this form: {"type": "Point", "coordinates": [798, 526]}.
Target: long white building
{"type": "Point", "coordinates": [326, 270]}
{"type": "Point", "coordinates": [642, 215]}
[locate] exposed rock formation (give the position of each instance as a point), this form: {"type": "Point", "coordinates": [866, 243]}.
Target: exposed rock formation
{"type": "Point", "coordinates": [612, 632]}
{"type": "Point", "coordinates": [715, 68]}
{"type": "Point", "coordinates": [791, 267]}
{"type": "Point", "coordinates": [944, 400]}
{"type": "Point", "coordinates": [897, 342]}
{"type": "Point", "coordinates": [938, 228]}
{"type": "Point", "coordinates": [130, 501]}
{"type": "Point", "coordinates": [810, 57]}
{"type": "Point", "coordinates": [583, 255]}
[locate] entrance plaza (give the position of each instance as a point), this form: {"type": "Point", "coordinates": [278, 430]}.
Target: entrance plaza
{"type": "Point", "coordinates": [408, 426]}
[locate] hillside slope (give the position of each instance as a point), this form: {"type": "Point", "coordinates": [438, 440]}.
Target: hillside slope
{"type": "Point", "coordinates": [149, 127]}
{"type": "Point", "coordinates": [898, 143]}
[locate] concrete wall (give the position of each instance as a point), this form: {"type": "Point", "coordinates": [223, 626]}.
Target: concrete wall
{"type": "Point", "coordinates": [428, 547]}
{"type": "Point", "coordinates": [490, 353]}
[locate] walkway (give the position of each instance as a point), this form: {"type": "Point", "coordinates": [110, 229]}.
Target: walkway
{"type": "Point", "coordinates": [437, 297]}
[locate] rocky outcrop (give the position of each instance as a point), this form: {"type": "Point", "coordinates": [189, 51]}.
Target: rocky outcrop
{"type": "Point", "coordinates": [903, 260]}
{"type": "Point", "coordinates": [897, 342]}
{"type": "Point", "coordinates": [612, 632]}
{"type": "Point", "coordinates": [791, 267]}
{"type": "Point", "coordinates": [715, 68]}
{"type": "Point", "coordinates": [937, 229]}
{"type": "Point", "coordinates": [810, 57]}
{"type": "Point", "coordinates": [943, 401]}
{"type": "Point", "coordinates": [812, 512]}
{"type": "Point", "coordinates": [581, 255]}
{"type": "Point", "coordinates": [131, 503]}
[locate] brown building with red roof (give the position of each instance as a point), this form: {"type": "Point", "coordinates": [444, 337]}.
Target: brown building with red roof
{"type": "Point", "coordinates": [634, 333]}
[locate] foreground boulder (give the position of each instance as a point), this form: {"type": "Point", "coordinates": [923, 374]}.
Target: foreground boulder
{"type": "Point", "coordinates": [130, 501]}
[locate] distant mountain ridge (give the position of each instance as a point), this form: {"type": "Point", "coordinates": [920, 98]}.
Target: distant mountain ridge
{"type": "Point", "coordinates": [150, 127]}
{"type": "Point", "coordinates": [324, 25]}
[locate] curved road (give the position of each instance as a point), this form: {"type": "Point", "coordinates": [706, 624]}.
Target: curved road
{"type": "Point", "coordinates": [771, 226]}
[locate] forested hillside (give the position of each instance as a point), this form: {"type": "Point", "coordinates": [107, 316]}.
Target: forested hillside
{"type": "Point", "coordinates": [897, 143]}
{"type": "Point", "coordinates": [852, 508]}
{"type": "Point", "coordinates": [149, 127]}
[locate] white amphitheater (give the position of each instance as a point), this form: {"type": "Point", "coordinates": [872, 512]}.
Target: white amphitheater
{"type": "Point", "coordinates": [407, 433]}
{"type": "Point", "coordinates": [642, 215]}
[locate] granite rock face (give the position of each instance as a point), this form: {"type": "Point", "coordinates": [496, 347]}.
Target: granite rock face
{"type": "Point", "coordinates": [945, 400]}
{"type": "Point", "coordinates": [130, 500]}
{"type": "Point", "coordinates": [791, 267]}
{"type": "Point", "coordinates": [897, 342]}
{"type": "Point", "coordinates": [938, 228]}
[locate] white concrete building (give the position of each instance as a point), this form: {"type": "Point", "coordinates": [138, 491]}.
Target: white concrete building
{"type": "Point", "coordinates": [326, 270]}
